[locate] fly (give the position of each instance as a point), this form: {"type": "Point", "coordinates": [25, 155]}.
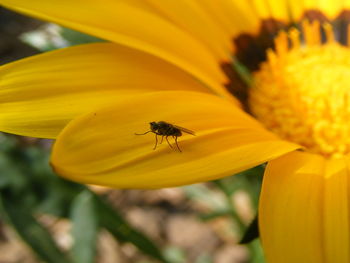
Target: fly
{"type": "Point", "coordinates": [165, 129]}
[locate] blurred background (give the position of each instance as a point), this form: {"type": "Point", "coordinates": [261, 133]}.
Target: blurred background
{"type": "Point", "coordinates": [44, 218]}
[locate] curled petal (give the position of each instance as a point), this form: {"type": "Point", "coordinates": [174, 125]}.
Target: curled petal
{"type": "Point", "coordinates": [102, 148]}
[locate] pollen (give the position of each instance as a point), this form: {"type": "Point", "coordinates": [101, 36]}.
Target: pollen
{"type": "Point", "coordinates": [302, 90]}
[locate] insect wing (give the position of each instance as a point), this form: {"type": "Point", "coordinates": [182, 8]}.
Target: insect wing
{"type": "Point", "coordinates": [184, 129]}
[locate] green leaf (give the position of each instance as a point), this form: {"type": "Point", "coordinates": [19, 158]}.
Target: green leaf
{"type": "Point", "coordinates": [215, 214]}
{"type": "Point", "coordinates": [175, 254]}
{"type": "Point", "coordinates": [204, 258]}
{"type": "Point", "coordinates": [10, 174]}
{"type": "Point", "coordinates": [120, 229]}
{"type": "Point", "coordinates": [77, 38]}
{"type": "Point", "coordinates": [201, 193]}
{"type": "Point", "coordinates": [84, 228]}
{"type": "Point", "coordinates": [251, 233]}
{"type": "Point", "coordinates": [30, 230]}
{"type": "Point", "coordinates": [257, 253]}
{"type": "Point", "coordinates": [56, 198]}
{"type": "Point", "coordinates": [243, 71]}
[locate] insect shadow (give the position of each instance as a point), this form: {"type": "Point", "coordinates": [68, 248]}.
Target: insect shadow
{"type": "Point", "coordinates": [165, 129]}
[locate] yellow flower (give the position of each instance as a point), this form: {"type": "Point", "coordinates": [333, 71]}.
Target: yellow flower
{"type": "Point", "coordinates": [172, 61]}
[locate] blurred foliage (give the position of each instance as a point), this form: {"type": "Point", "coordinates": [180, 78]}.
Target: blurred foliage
{"type": "Point", "coordinates": [29, 189]}
{"type": "Point", "coordinates": [249, 182]}
{"type": "Point", "coordinates": [251, 233]}
{"type": "Point", "coordinates": [51, 36]}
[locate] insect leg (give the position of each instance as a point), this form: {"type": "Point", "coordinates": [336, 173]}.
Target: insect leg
{"type": "Point", "coordinates": [161, 141]}
{"type": "Point", "coordinates": [155, 146]}
{"type": "Point", "coordinates": [177, 143]}
{"type": "Point", "coordinates": [166, 137]}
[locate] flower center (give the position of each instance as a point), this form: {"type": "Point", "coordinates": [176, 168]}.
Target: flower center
{"type": "Point", "coordinates": [302, 91]}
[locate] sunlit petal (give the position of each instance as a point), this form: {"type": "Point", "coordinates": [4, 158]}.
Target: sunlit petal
{"type": "Point", "coordinates": [236, 17]}
{"type": "Point", "coordinates": [132, 24]}
{"type": "Point", "coordinates": [331, 9]}
{"type": "Point", "coordinates": [39, 95]}
{"type": "Point", "coordinates": [203, 27]}
{"type": "Point", "coordinates": [271, 9]}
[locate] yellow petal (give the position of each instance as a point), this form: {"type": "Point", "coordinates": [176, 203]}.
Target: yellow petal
{"type": "Point", "coordinates": [330, 9]}
{"type": "Point", "coordinates": [236, 17]}
{"type": "Point", "coordinates": [102, 148]}
{"type": "Point", "coordinates": [132, 24]}
{"type": "Point", "coordinates": [271, 9]}
{"type": "Point", "coordinates": [192, 17]}
{"type": "Point", "coordinates": [336, 212]}
{"type": "Point", "coordinates": [346, 4]}
{"type": "Point", "coordinates": [304, 210]}
{"type": "Point", "coordinates": [39, 95]}
{"type": "Point", "coordinates": [279, 10]}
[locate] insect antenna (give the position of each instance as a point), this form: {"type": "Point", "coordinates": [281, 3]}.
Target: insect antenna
{"type": "Point", "coordinates": [143, 133]}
